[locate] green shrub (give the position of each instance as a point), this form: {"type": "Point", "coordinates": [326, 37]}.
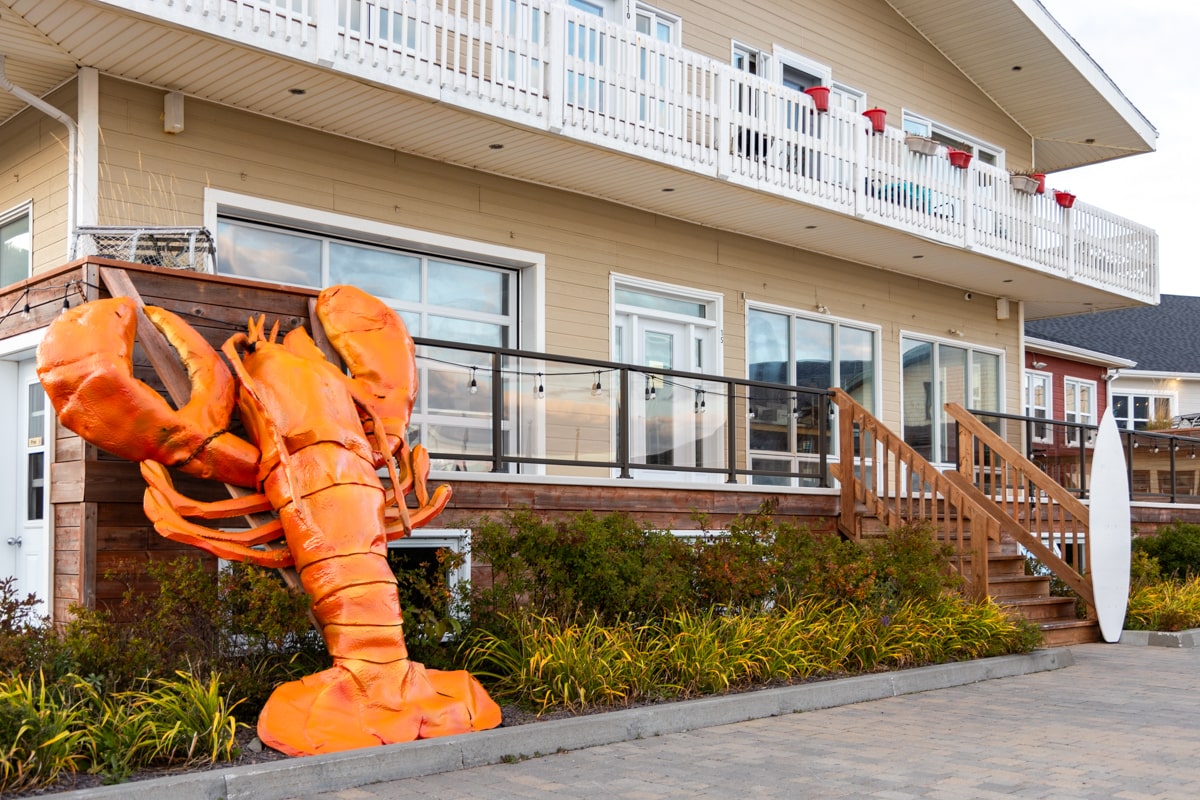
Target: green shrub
{"type": "Point", "coordinates": [27, 640]}
{"type": "Point", "coordinates": [608, 566]}
{"type": "Point", "coordinates": [1165, 605]}
{"type": "Point", "coordinates": [240, 621]}
{"type": "Point", "coordinates": [1175, 547]}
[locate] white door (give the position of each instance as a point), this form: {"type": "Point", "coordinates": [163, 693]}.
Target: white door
{"type": "Point", "coordinates": [24, 481]}
{"type": "Point", "coordinates": [667, 428]}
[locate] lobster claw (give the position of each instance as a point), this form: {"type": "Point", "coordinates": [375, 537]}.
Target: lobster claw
{"type": "Point", "coordinates": [377, 348]}
{"type": "Point", "coordinates": [85, 362]}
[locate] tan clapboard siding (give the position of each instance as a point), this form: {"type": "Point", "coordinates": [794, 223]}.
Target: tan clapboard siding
{"type": "Point", "coordinates": [867, 45]}
{"type": "Point", "coordinates": [584, 241]}
{"type": "Point", "coordinates": [33, 166]}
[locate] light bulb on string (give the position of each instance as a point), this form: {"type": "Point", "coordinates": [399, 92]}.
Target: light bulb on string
{"type": "Point", "coordinates": [541, 387]}
{"type": "Point", "coordinates": [597, 389]}
{"type": "Point", "coordinates": [473, 386]}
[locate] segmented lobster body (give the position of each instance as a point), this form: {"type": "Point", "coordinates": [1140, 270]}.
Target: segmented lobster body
{"type": "Point", "coordinates": [318, 438]}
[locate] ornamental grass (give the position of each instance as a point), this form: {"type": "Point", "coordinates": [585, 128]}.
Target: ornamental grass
{"type": "Point", "coordinates": [552, 665]}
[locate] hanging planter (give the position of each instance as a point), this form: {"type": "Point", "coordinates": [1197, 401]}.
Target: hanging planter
{"type": "Point", "coordinates": [958, 158]}
{"type": "Point", "coordinates": [878, 117]}
{"type": "Point", "coordinates": [921, 144]}
{"type": "Point", "coordinates": [1040, 177]}
{"type": "Point", "coordinates": [1024, 184]}
{"type": "Point", "coordinates": [1064, 199]}
{"type": "Point", "coordinates": [820, 97]}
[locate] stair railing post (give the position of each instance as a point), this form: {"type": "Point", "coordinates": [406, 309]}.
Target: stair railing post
{"type": "Point", "coordinates": [846, 461]}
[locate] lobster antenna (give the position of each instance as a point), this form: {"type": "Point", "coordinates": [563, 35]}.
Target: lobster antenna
{"type": "Point", "coordinates": [274, 331]}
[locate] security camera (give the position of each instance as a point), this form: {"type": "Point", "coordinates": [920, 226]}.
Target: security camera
{"type": "Point", "coordinates": [968, 296]}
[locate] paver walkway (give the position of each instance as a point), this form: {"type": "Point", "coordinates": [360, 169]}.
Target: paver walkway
{"type": "Point", "coordinates": [1123, 722]}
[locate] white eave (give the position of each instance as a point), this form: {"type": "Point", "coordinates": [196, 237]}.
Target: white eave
{"type": "Point", "coordinates": [1049, 348]}
{"type": "Point", "coordinates": [1060, 95]}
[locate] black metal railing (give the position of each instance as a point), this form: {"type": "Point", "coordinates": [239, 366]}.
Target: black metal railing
{"type": "Point", "coordinates": [1162, 465]}
{"type": "Point", "coordinates": [503, 410]}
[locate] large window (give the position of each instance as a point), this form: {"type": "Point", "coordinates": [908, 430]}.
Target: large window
{"type": "Point", "coordinates": [1139, 412]}
{"type": "Point", "coordinates": [809, 351]}
{"type": "Point", "coordinates": [438, 297]}
{"type": "Point", "coordinates": [936, 373]}
{"type": "Point", "coordinates": [15, 247]}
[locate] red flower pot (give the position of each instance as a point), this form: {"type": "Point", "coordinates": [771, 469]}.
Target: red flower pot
{"type": "Point", "coordinates": [958, 158]}
{"type": "Point", "coordinates": [877, 117]}
{"type": "Point", "coordinates": [1064, 199]}
{"type": "Point", "coordinates": [820, 97]}
{"type": "Point", "coordinates": [1041, 179]}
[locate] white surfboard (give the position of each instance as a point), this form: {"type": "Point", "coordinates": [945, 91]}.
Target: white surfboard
{"type": "Point", "coordinates": [1109, 531]}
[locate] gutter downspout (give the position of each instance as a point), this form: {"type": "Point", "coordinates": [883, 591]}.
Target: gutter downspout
{"type": "Point", "coordinates": [72, 155]}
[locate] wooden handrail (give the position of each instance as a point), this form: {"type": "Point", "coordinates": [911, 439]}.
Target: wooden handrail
{"type": "Point", "coordinates": [1026, 497]}
{"type": "Point", "coordinates": [899, 486]}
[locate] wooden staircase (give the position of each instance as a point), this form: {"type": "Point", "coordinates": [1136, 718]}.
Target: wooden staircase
{"type": "Point", "coordinates": [994, 504]}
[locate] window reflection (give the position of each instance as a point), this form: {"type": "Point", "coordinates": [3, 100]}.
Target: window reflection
{"type": "Point", "coordinates": [468, 288]}
{"type": "Point", "coordinates": [379, 272]}
{"type": "Point", "coordinates": [253, 252]}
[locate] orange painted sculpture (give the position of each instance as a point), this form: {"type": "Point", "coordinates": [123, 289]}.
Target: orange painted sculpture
{"type": "Point", "coordinates": [318, 438]}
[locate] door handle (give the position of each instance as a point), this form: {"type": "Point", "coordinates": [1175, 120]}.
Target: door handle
{"type": "Point", "coordinates": [14, 540]}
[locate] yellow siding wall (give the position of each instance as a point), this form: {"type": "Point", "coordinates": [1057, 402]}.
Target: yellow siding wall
{"type": "Point", "coordinates": [148, 177]}
{"type": "Point", "coordinates": [33, 168]}
{"type": "Point", "coordinates": [867, 45]}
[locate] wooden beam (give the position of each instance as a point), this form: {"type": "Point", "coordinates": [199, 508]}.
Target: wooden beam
{"type": "Point", "coordinates": [174, 376]}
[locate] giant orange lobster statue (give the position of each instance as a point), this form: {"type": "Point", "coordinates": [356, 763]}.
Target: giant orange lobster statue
{"type": "Point", "coordinates": [319, 437]}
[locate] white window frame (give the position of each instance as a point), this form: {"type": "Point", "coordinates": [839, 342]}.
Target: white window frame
{"type": "Point", "coordinates": [1072, 387]}
{"type": "Point", "coordinates": [24, 209]}
{"type": "Point", "coordinates": [938, 402]}
{"type": "Point", "coordinates": [837, 323]}
{"type": "Point", "coordinates": [457, 540]}
{"type": "Point", "coordinates": [654, 14]}
{"type": "Point", "coordinates": [913, 122]}
{"type": "Point", "coordinates": [1047, 431]}
{"type": "Point", "coordinates": [1131, 423]}
{"type": "Point", "coordinates": [782, 58]}
{"type": "Point", "coordinates": [760, 58]}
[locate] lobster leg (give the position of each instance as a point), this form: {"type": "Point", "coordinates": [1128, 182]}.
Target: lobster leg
{"type": "Point", "coordinates": [231, 545]}
{"type": "Point", "coordinates": [156, 477]}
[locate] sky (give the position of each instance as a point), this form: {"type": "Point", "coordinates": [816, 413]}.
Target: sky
{"type": "Point", "coordinates": [1151, 50]}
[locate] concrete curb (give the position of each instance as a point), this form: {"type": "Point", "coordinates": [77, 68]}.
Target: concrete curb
{"type": "Point", "coordinates": [1188, 638]}
{"type": "Point", "coordinates": [301, 777]}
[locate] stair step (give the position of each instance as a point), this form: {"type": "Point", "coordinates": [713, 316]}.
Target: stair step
{"type": "Point", "coordinates": [1069, 632]}
{"type": "Point", "coordinates": [1000, 565]}
{"type": "Point", "coordinates": [1039, 609]}
{"type": "Point", "coordinates": [1015, 586]}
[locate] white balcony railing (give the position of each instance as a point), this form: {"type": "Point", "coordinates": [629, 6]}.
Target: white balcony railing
{"type": "Point", "coordinates": [544, 64]}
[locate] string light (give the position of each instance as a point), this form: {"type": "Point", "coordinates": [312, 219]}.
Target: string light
{"type": "Point", "coordinates": [25, 312]}
{"type": "Point", "coordinates": [597, 389]}
{"type": "Point", "coordinates": [700, 403]}
{"type": "Point", "coordinates": [651, 394]}
{"type": "Point", "coordinates": [541, 387]}
{"type": "Point", "coordinates": [473, 387]}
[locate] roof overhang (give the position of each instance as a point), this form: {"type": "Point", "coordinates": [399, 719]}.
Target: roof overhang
{"type": "Point", "coordinates": [1071, 108]}
{"type": "Point", "coordinates": [1049, 348]}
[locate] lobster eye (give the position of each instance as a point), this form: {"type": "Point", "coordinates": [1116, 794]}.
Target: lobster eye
{"type": "Point", "coordinates": [251, 347]}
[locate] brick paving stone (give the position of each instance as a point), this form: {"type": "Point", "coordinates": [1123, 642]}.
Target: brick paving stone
{"type": "Point", "coordinates": [1123, 722]}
